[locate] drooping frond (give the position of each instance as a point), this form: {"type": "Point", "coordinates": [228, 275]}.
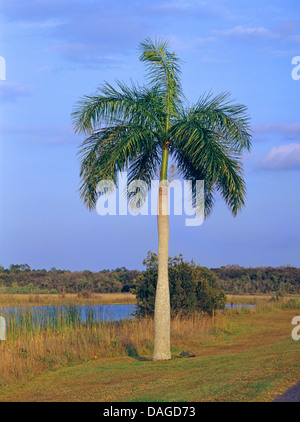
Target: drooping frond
{"type": "Point", "coordinates": [107, 152]}
{"type": "Point", "coordinates": [112, 106]}
{"type": "Point", "coordinates": [229, 121]}
{"type": "Point", "coordinates": [145, 165]}
{"type": "Point", "coordinates": [200, 153]}
{"type": "Point", "coordinates": [189, 171]}
{"type": "Point", "coordinates": [144, 169]}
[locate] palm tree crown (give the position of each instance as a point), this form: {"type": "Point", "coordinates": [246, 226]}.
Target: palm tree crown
{"type": "Point", "coordinates": [138, 127]}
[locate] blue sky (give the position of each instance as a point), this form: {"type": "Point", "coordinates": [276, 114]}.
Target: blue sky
{"type": "Point", "coordinates": [57, 51]}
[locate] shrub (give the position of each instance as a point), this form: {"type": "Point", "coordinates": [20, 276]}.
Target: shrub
{"type": "Point", "coordinates": [192, 288]}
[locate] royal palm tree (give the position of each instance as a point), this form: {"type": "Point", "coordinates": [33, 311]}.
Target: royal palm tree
{"type": "Point", "coordinates": [137, 128]}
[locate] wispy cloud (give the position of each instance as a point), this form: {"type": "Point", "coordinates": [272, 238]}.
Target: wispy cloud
{"type": "Point", "coordinates": [37, 10]}
{"type": "Point", "coordinates": [13, 91]}
{"type": "Point", "coordinates": [183, 8]}
{"type": "Point", "coordinates": [190, 44]}
{"type": "Point", "coordinates": [86, 32]}
{"type": "Point", "coordinates": [93, 32]}
{"type": "Point", "coordinates": [48, 134]}
{"type": "Point", "coordinates": [43, 25]}
{"type": "Point", "coordinates": [286, 131]}
{"type": "Point", "coordinates": [242, 32]}
{"type": "Point", "coordinates": [283, 157]}
{"type": "Point", "coordinates": [280, 41]}
{"type": "Point", "coordinates": [83, 53]}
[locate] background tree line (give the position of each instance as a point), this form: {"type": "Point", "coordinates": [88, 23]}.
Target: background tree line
{"type": "Point", "coordinates": [231, 278]}
{"type": "Point", "coordinates": [236, 279]}
{"type": "Point", "coordinates": [23, 279]}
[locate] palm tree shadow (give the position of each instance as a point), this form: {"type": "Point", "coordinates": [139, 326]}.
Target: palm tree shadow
{"type": "Point", "coordinates": [142, 359]}
{"type": "Point", "coordinates": [133, 353]}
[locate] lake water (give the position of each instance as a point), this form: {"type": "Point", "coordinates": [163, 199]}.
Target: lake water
{"type": "Point", "coordinates": [239, 305]}
{"type": "Point", "coordinates": [98, 312]}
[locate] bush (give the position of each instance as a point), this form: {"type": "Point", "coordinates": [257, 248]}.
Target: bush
{"type": "Point", "coordinates": [53, 292]}
{"type": "Point", "coordinates": [192, 288]}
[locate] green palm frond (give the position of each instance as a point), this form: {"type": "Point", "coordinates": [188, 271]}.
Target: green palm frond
{"type": "Point", "coordinates": [108, 151]}
{"type": "Point", "coordinates": [163, 71]}
{"type": "Point", "coordinates": [135, 127]}
{"type": "Point", "coordinates": [112, 106]}
{"type": "Point", "coordinates": [229, 121]}
{"type": "Point", "coordinates": [144, 168]}
{"type": "Point", "coordinates": [189, 171]}
{"type": "Point", "coordinates": [199, 153]}
{"type": "Point", "coordinates": [163, 67]}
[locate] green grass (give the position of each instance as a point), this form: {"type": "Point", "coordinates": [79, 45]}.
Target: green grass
{"type": "Point", "coordinates": [254, 359]}
{"type": "Point", "coordinates": [256, 375]}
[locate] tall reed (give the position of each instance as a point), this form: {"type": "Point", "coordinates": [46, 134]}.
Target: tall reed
{"type": "Point", "coordinates": [47, 338]}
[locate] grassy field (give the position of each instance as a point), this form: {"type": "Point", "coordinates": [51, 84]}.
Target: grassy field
{"type": "Point", "coordinates": [240, 355]}
{"type": "Point", "coordinates": [103, 299]}
{"type": "Point", "coordinates": [67, 299]}
{"type": "Point", "coordinates": [256, 299]}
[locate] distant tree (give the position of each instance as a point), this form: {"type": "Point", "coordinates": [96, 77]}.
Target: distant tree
{"type": "Point", "coordinates": [14, 268]}
{"type": "Point", "coordinates": [22, 267]}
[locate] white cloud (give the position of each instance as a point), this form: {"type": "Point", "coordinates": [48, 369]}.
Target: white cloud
{"type": "Point", "coordinates": [283, 157]}
{"type": "Point", "coordinates": [241, 31]}
{"type": "Point", "coordinates": [182, 44]}
{"type": "Point", "coordinates": [280, 37]}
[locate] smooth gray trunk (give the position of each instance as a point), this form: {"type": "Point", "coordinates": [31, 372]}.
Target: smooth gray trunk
{"type": "Point", "coordinates": [162, 299]}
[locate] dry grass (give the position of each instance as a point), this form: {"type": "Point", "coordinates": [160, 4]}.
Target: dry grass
{"type": "Point", "coordinates": [255, 299]}
{"type": "Point", "coordinates": [67, 299]}
{"type": "Point", "coordinates": [106, 299]}
{"type": "Point", "coordinates": [31, 349]}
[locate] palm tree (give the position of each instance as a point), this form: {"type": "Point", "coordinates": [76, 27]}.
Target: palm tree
{"type": "Point", "coordinates": [138, 128]}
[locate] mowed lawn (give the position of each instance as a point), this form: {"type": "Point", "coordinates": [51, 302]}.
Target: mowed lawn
{"type": "Point", "coordinates": [256, 362]}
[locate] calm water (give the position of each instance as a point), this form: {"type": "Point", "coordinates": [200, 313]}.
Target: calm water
{"type": "Point", "coordinates": [98, 312]}
{"type": "Point", "coordinates": [239, 306]}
